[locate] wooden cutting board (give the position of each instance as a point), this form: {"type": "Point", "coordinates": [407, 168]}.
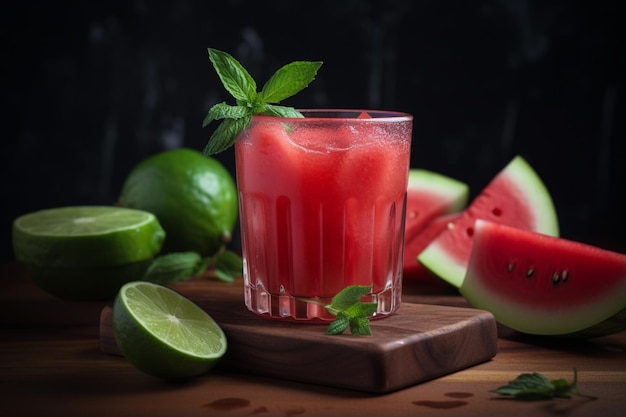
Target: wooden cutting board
{"type": "Point", "coordinates": [418, 343]}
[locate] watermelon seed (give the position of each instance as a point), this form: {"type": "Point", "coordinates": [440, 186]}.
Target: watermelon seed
{"type": "Point", "coordinates": [470, 231]}
{"type": "Point", "coordinates": [565, 275]}
{"type": "Point", "coordinates": [530, 272]}
{"type": "Point", "coordinates": [556, 278]}
{"type": "Point", "coordinates": [511, 266]}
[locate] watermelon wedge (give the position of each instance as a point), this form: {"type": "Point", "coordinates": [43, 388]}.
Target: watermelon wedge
{"type": "Point", "coordinates": [432, 199]}
{"type": "Point", "coordinates": [429, 195]}
{"type": "Point", "coordinates": [415, 242]}
{"type": "Point", "coordinates": [516, 196]}
{"type": "Point", "coordinates": [544, 285]}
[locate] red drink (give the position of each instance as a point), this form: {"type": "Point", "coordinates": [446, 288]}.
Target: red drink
{"type": "Point", "coordinates": [322, 202]}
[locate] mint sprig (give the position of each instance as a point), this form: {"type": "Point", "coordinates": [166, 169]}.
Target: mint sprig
{"type": "Point", "coordinates": [286, 82]}
{"type": "Point", "coordinates": [350, 311]}
{"type": "Point", "coordinates": [535, 386]}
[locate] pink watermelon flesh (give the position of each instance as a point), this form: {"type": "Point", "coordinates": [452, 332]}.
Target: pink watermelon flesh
{"type": "Point", "coordinates": [430, 195]}
{"type": "Point", "coordinates": [414, 243]}
{"type": "Point", "coordinates": [516, 196]}
{"type": "Point", "coordinates": [430, 198]}
{"type": "Point", "coordinates": [544, 285]}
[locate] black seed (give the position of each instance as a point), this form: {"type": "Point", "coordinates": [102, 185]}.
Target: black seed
{"type": "Point", "coordinates": [556, 278]}
{"type": "Point", "coordinates": [565, 275]}
{"type": "Point", "coordinates": [530, 272]}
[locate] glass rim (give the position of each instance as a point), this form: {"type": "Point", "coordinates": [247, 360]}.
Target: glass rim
{"type": "Point", "coordinates": [335, 114]}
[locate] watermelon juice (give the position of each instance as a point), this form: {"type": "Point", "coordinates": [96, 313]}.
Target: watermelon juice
{"type": "Point", "coordinates": [322, 203]}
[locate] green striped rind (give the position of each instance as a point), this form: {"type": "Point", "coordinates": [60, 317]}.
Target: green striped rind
{"type": "Point", "coordinates": [537, 194]}
{"type": "Point", "coordinates": [119, 236]}
{"type": "Point", "coordinates": [436, 260]}
{"type": "Point", "coordinates": [145, 333]}
{"type": "Point", "coordinates": [613, 324]}
{"type": "Point", "coordinates": [575, 322]}
{"type": "Point", "coordinates": [424, 180]}
{"type": "Point", "coordinates": [533, 196]}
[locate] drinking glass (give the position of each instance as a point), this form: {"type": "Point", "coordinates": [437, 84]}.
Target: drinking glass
{"type": "Point", "coordinates": [322, 206]}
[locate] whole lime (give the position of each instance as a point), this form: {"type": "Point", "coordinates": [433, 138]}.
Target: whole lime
{"type": "Point", "coordinates": [193, 196]}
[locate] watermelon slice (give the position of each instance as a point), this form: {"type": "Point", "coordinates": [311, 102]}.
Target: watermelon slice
{"type": "Point", "coordinates": [415, 242]}
{"type": "Point", "coordinates": [432, 199]}
{"type": "Point", "coordinates": [430, 195]}
{"type": "Point", "coordinates": [544, 285]}
{"type": "Point", "coordinates": [516, 196]}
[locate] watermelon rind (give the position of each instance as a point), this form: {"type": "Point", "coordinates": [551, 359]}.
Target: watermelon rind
{"type": "Point", "coordinates": [454, 193]}
{"type": "Point", "coordinates": [430, 196]}
{"type": "Point", "coordinates": [529, 206]}
{"type": "Point", "coordinates": [615, 323]}
{"type": "Point", "coordinates": [590, 302]}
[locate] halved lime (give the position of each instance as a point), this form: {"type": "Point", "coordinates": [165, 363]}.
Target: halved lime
{"type": "Point", "coordinates": [163, 333]}
{"type": "Point", "coordinates": [86, 283]}
{"type": "Point", "coordinates": [86, 252]}
{"type": "Point", "coordinates": [86, 236]}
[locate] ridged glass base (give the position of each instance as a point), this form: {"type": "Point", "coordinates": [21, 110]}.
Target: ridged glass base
{"type": "Point", "coordinates": [287, 307]}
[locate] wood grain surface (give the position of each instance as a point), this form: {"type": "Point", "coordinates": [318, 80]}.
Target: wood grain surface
{"type": "Point", "coordinates": [418, 343]}
{"type": "Point", "coordinates": [51, 363]}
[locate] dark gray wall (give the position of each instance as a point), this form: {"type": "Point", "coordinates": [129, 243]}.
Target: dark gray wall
{"type": "Point", "coordinates": [92, 87]}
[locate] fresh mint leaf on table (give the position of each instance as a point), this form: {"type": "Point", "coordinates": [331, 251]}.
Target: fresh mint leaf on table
{"type": "Point", "coordinates": [175, 267]}
{"type": "Point", "coordinates": [346, 305]}
{"type": "Point", "coordinates": [286, 82]}
{"type": "Point", "coordinates": [535, 386]}
{"type": "Point", "coordinates": [228, 265]}
{"type": "Point", "coordinates": [181, 266]}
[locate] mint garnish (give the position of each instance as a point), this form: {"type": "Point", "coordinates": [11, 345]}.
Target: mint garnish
{"type": "Point", "coordinates": [535, 386]}
{"type": "Point", "coordinates": [286, 82]}
{"type": "Point", "coordinates": [350, 311]}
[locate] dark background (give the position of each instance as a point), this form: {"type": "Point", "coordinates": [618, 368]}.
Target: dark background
{"type": "Point", "coordinates": [92, 87]}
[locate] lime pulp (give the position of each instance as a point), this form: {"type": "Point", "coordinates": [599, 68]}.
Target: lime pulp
{"type": "Point", "coordinates": [164, 333]}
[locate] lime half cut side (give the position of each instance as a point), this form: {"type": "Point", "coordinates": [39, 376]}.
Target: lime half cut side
{"type": "Point", "coordinates": [86, 236]}
{"type": "Point", "coordinates": [163, 333]}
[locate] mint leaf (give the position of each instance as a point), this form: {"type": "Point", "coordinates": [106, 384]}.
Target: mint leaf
{"type": "Point", "coordinates": [225, 134]}
{"type": "Point", "coordinates": [361, 309]}
{"type": "Point", "coordinates": [234, 76]}
{"type": "Point", "coordinates": [285, 82]}
{"type": "Point", "coordinates": [175, 267]}
{"type": "Point", "coordinates": [561, 387]}
{"type": "Point", "coordinates": [347, 297]}
{"type": "Point", "coordinates": [339, 325]}
{"type": "Point", "coordinates": [349, 311]}
{"type": "Point", "coordinates": [228, 265]}
{"type": "Point", "coordinates": [288, 81]}
{"type": "Point", "coordinates": [360, 326]}
{"type": "Point", "coordinates": [279, 111]}
{"type": "Point", "coordinates": [224, 111]}
{"type": "Point", "coordinates": [535, 386]}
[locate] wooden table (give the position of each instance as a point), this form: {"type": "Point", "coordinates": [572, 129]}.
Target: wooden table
{"type": "Point", "coordinates": [52, 365]}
